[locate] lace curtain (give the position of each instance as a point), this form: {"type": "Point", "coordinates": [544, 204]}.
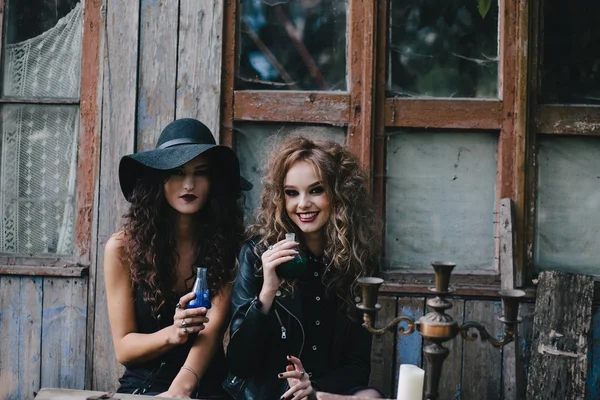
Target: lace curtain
{"type": "Point", "coordinates": [38, 146]}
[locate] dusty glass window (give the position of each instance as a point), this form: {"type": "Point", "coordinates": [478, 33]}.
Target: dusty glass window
{"type": "Point", "coordinates": [292, 44]}
{"type": "Point", "coordinates": [440, 196]}
{"type": "Point", "coordinates": [570, 66]}
{"type": "Point", "coordinates": [567, 234]}
{"type": "Point", "coordinates": [38, 143]}
{"type": "Point", "coordinates": [443, 48]}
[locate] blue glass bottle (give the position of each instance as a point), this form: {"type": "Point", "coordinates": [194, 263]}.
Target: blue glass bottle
{"type": "Point", "coordinates": [202, 298]}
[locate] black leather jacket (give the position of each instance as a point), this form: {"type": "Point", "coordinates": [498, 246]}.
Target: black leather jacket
{"type": "Point", "coordinates": [259, 343]}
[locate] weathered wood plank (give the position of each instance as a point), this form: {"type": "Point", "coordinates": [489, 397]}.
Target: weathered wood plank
{"type": "Point", "coordinates": [484, 285]}
{"type": "Point", "coordinates": [89, 134]}
{"type": "Point", "coordinates": [513, 373]}
{"type": "Point", "coordinates": [228, 70]}
{"type": "Point", "coordinates": [515, 356]}
{"type": "Point", "coordinates": [593, 373]}
{"type": "Point", "coordinates": [63, 327]}
{"type": "Point", "coordinates": [506, 243]}
{"type": "Point", "coordinates": [523, 133]}
{"type": "Point", "coordinates": [199, 65]}
{"type": "Point", "coordinates": [379, 165]}
{"type": "Point", "coordinates": [20, 330]}
{"type": "Point", "coordinates": [72, 270]}
{"type": "Point", "coordinates": [158, 69]}
{"type": "Point", "coordinates": [91, 118]}
{"type": "Point", "coordinates": [527, 313]}
{"type": "Point", "coordinates": [513, 87]}
{"type": "Point", "coordinates": [118, 137]}
{"type": "Point", "coordinates": [382, 351]}
{"type": "Point", "coordinates": [568, 120]}
{"type": "Point", "coordinates": [563, 315]}
{"type": "Point", "coordinates": [69, 394]}
{"type": "Point", "coordinates": [362, 48]}
{"type": "Point", "coordinates": [442, 113]}
{"type": "Point", "coordinates": [284, 106]}
{"type": "Point", "coordinates": [482, 362]}
{"type": "Point", "coordinates": [531, 150]}
{"type": "Point", "coordinates": [450, 380]}
{"type": "Point", "coordinates": [408, 350]}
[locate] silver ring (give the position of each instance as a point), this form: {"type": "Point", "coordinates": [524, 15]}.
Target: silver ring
{"type": "Point", "coordinates": [270, 248]}
{"type": "Point", "coordinates": [178, 306]}
{"type": "Point", "coordinates": [184, 323]}
{"type": "Point", "coordinates": [185, 330]}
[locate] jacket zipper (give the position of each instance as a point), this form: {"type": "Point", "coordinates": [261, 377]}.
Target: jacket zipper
{"type": "Point", "coordinates": [286, 386]}
{"type": "Point", "coordinates": [283, 331]}
{"type": "Point", "coordinates": [299, 323]}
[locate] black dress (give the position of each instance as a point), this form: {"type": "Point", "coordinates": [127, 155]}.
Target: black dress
{"type": "Point", "coordinates": [155, 376]}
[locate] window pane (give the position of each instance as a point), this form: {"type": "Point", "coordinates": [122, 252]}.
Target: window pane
{"type": "Point", "coordinates": [38, 162]}
{"type": "Point", "coordinates": [292, 44]}
{"type": "Point", "coordinates": [443, 48]}
{"type": "Point", "coordinates": [571, 57]}
{"type": "Point", "coordinates": [42, 51]}
{"type": "Point", "coordinates": [567, 236]}
{"type": "Point", "coordinates": [254, 142]}
{"type": "Point", "coordinates": [440, 196]}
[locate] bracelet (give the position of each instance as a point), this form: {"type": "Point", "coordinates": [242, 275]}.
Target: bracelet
{"type": "Point", "coordinates": [192, 371]}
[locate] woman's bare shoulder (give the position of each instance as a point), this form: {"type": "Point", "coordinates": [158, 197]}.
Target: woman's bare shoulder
{"type": "Point", "coordinates": [115, 246]}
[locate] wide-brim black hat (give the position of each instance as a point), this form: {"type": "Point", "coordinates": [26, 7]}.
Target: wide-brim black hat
{"type": "Point", "coordinates": [179, 143]}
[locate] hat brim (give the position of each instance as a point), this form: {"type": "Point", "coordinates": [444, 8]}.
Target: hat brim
{"type": "Point", "coordinates": [134, 166]}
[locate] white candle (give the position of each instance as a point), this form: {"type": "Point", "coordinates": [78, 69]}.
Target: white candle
{"type": "Point", "coordinates": [410, 382]}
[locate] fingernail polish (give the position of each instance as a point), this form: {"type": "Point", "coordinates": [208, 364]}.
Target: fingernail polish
{"type": "Point", "coordinates": [280, 375]}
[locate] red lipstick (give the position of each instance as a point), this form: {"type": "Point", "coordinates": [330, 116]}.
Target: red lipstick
{"type": "Point", "coordinates": [188, 197]}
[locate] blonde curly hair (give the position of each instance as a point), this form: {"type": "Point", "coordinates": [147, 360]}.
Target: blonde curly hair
{"type": "Point", "coordinates": [351, 245]}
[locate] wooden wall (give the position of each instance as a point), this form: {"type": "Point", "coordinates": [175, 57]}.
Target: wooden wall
{"type": "Point", "coordinates": [42, 334]}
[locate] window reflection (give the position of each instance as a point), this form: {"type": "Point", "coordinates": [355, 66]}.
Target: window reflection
{"type": "Point", "coordinates": [442, 48]}
{"type": "Point", "coordinates": [571, 56]}
{"type": "Point", "coordinates": [292, 44]}
{"type": "Point", "coordinates": [29, 18]}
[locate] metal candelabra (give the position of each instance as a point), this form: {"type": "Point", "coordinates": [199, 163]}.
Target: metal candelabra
{"type": "Point", "coordinates": [437, 326]}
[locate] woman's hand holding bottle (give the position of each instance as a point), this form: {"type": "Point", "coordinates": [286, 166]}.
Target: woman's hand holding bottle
{"type": "Point", "coordinates": [281, 252]}
{"type": "Point", "coordinates": [186, 321]}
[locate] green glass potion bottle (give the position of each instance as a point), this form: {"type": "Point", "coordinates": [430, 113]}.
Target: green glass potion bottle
{"type": "Point", "coordinates": [295, 268]}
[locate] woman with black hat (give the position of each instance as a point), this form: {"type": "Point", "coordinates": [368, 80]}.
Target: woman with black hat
{"type": "Point", "coordinates": [183, 213]}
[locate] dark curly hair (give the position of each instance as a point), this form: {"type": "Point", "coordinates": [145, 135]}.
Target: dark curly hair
{"type": "Point", "coordinates": [150, 245]}
{"type": "Point", "coordinates": [351, 235]}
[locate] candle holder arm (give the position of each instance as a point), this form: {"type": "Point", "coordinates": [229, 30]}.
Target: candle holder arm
{"type": "Point", "coordinates": [466, 332]}
{"type": "Point", "coordinates": [391, 326]}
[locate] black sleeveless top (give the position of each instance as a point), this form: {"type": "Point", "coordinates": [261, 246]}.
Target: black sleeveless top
{"type": "Point", "coordinates": [155, 376]}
